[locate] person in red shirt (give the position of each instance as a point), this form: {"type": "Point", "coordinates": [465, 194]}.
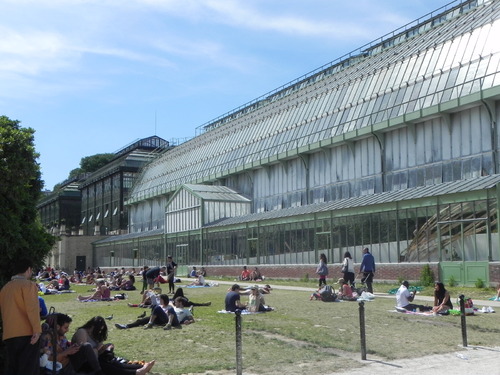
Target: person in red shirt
{"type": "Point", "coordinates": [245, 274]}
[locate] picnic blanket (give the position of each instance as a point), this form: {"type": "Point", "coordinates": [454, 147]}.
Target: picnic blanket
{"type": "Point", "coordinates": [404, 311]}
{"type": "Point", "coordinates": [243, 312]}
{"type": "Point", "coordinates": [201, 286]}
{"type": "Point", "coordinates": [53, 291]}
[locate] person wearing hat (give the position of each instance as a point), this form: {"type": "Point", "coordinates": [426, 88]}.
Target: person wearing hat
{"type": "Point", "coordinates": [345, 291]}
{"type": "Point", "coordinates": [256, 301]}
{"type": "Point", "coordinates": [404, 298]}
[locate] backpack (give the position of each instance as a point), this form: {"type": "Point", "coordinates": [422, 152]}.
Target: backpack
{"type": "Point", "coordinates": [327, 294]}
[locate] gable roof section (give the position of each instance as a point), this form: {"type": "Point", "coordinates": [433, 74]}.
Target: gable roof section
{"type": "Point", "coordinates": [215, 193]}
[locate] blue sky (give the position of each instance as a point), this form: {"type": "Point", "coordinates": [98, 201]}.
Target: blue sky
{"type": "Point", "coordinates": [91, 76]}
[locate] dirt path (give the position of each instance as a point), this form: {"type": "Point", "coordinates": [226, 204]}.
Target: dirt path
{"type": "Point", "coordinates": [468, 361]}
{"type": "Point", "coordinates": [464, 361]}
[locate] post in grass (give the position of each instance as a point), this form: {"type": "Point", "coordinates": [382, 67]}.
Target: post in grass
{"type": "Point", "coordinates": [239, 364]}
{"type": "Point", "coordinates": [362, 331]}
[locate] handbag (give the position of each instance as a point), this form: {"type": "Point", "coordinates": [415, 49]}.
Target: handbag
{"type": "Point", "coordinates": [345, 266]}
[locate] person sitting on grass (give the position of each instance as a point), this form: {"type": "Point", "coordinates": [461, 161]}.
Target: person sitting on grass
{"type": "Point", "coordinates": [256, 302]}
{"type": "Point", "coordinates": [245, 274]}
{"type": "Point", "coordinates": [442, 301]}
{"type": "Point", "coordinates": [94, 333]}
{"type": "Point", "coordinates": [345, 291]}
{"type": "Point", "coordinates": [129, 284]}
{"type": "Point", "coordinates": [404, 297]}
{"type": "Point", "coordinates": [200, 281]}
{"type": "Point", "coordinates": [232, 301]}
{"type": "Point", "coordinates": [149, 299]}
{"type": "Point", "coordinates": [256, 275]}
{"type": "Point", "coordinates": [102, 293]}
{"type": "Point", "coordinates": [193, 273]}
{"type": "Point", "coordinates": [183, 314]}
{"type": "Point", "coordinates": [161, 315]}
{"type": "Point", "coordinates": [72, 357]}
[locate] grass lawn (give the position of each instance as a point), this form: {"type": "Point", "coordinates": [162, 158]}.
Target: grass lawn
{"type": "Point", "coordinates": [300, 336]}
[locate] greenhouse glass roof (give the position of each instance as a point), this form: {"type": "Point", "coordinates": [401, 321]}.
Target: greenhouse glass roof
{"type": "Point", "coordinates": [437, 60]}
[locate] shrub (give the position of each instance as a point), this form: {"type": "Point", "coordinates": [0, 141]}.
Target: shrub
{"type": "Point", "coordinates": [479, 283]}
{"type": "Point", "coordinates": [305, 278]}
{"type": "Point", "coordinates": [426, 276]}
{"type": "Point", "coordinates": [451, 281]}
{"type": "Point", "coordinates": [400, 279]}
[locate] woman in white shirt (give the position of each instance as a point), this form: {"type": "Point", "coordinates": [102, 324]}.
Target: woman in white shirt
{"type": "Point", "coordinates": [348, 269]}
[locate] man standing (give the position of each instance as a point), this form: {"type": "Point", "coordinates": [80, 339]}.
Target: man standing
{"type": "Point", "coordinates": [144, 279]}
{"type": "Point", "coordinates": [368, 269]}
{"type": "Point", "coordinates": [171, 267]}
{"type": "Point", "coordinates": [21, 321]}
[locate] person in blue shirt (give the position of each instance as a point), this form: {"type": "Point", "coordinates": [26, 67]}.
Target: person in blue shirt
{"type": "Point", "coordinates": [368, 269]}
{"type": "Point", "coordinates": [194, 272]}
{"type": "Point", "coordinates": [43, 307]}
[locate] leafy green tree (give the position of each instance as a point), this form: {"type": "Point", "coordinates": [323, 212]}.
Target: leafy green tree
{"type": "Point", "coordinates": [21, 233]}
{"type": "Point", "coordinates": [75, 172]}
{"type": "Point", "coordinates": [94, 162]}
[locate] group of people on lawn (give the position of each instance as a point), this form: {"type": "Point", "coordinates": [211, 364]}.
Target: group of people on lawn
{"type": "Point", "coordinates": [29, 344]}
{"type": "Point", "coordinates": [247, 275]}
{"type": "Point", "coordinates": [256, 302]}
{"type": "Point", "coordinates": [86, 352]}
{"type": "Point", "coordinates": [442, 301]}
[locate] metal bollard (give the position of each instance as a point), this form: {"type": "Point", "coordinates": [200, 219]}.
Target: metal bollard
{"type": "Point", "coordinates": [239, 362]}
{"type": "Point", "coordinates": [462, 318]}
{"type": "Point", "coordinates": [362, 329]}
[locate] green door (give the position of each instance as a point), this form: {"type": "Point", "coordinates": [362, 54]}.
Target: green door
{"type": "Point", "coordinates": [464, 272]}
{"type": "Point", "coordinates": [462, 250]}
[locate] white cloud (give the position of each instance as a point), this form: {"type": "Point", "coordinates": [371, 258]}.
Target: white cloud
{"type": "Point", "coordinates": [32, 52]}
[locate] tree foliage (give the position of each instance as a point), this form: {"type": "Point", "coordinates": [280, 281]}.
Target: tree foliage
{"type": "Point", "coordinates": [93, 163]}
{"type": "Point", "coordinates": [21, 233]}
{"type": "Point", "coordinates": [89, 164]}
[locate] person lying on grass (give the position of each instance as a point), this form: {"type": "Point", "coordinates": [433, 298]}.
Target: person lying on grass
{"type": "Point", "coordinates": [161, 315]}
{"type": "Point", "coordinates": [187, 302]}
{"type": "Point", "coordinates": [102, 292]}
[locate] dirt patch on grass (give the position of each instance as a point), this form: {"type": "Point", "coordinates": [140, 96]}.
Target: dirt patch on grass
{"type": "Point", "coordinates": [464, 361]}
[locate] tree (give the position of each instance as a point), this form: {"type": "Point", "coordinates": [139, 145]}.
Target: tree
{"type": "Point", "coordinates": [94, 162]}
{"type": "Point", "coordinates": [75, 173]}
{"type": "Point", "coordinates": [21, 233]}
